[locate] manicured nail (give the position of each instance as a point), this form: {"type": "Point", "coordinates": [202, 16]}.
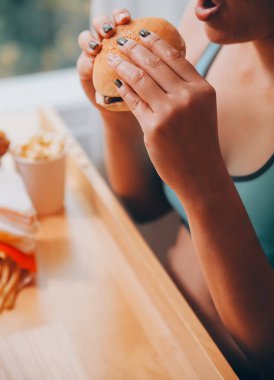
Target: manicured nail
{"type": "Point", "coordinates": [107, 28]}
{"type": "Point", "coordinates": [122, 16]}
{"type": "Point", "coordinates": [118, 83]}
{"type": "Point", "coordinates": [144, 33]}
{"type": "Point", "coordinates": [121, 41]}
{"type": "Point", "coordinates": [93, 44]}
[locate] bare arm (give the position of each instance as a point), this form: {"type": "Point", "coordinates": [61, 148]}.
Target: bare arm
{"type": "Point", "coordinates": [130, 171]}
{"type": "Point", "coordinates": [241, 288]}
{"type": "Point", "coordinates": [240, 279]}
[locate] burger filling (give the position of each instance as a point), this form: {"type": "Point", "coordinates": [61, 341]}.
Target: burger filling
{"type": "Point", "coordinates": [110, 100]}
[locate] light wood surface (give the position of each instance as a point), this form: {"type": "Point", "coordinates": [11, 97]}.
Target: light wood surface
{"type": "Point", "coordinates": [99, 280]}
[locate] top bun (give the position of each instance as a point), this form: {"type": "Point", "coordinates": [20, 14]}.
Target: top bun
{"type": "Point", "coordinates": [104, 76]}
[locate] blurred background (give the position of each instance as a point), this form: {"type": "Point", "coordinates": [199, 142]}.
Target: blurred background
{"type": "Point", "coordinates": [40, 35]}
{"type": "Point", "coordinates": [38, 53]}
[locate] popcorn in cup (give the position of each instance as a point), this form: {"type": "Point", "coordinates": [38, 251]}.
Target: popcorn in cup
{"type": "Point", "coordinates": [41, 162]}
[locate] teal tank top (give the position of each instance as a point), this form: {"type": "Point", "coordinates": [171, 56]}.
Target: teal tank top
{"type": "Point", "coordinates": [256, 190]}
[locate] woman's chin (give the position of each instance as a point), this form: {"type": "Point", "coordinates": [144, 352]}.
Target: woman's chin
{"type": "Point", "coordinates": [218, 36]}
{"type": "Point", "coordinates": [228, 35]}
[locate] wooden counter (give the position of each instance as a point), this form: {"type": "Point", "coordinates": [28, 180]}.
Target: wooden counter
{"type": "Point", "coordinates": [99, 280]}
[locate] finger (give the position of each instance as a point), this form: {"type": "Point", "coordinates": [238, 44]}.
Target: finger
{"type": "Point", "coordinates": [88, 43]}
{"type": "Point", "coordinates": [173, 58]}
{"type": "Point", "coordinates": [136, 105]}
{"type": "Point", "coordinates": [103, 26]}
{"type": "Point", "coordinates": [121, 16]}
{"type": "Point", "coordinates": [138, 80]}
{"type": "Point", "coordinates": [152, 64]}
{"type": "Point", "coordinates": [85, 66]}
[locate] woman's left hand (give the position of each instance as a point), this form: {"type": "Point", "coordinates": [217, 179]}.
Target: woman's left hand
{"type": "Point", "coordinates": [175, 107]}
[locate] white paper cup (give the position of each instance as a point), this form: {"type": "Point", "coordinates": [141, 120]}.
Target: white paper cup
{"type": "Point", "coordinates": [45, 182]}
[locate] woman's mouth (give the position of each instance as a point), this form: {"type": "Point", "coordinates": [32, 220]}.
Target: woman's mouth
{"type": "Point", "coordinates": [205, 9]}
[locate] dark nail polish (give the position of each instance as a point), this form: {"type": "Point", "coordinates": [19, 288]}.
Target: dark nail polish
{"type": "Point", "coordinates": [93, 44]}
{"type": "Point", "coordinates": [107, 28]}
{"type": "Point", "coordinates": [118, 83]}
{"type": "Point", "coordinates": [144, 33]}
{"type": "Point", "coordinates": [121, 41]}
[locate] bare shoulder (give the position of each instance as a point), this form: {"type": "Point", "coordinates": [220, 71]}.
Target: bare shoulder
{"type": "Point", "coordinates": [192, 31]}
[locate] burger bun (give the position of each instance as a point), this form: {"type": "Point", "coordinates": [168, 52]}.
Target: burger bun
{"type": "Point", "coordinates": [104, 76]}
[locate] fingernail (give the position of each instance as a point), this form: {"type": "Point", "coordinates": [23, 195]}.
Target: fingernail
{"type": "Point", "coordinates": [121, 41]}
{"type": "Point", "coordinates": [111, 57]}
{"type": "Point", "coordinates": [144, 33]}
{"type": "Point", "coordinates": [93, 44]}
{"type": "Point", "coordinates": [122, 16]}
{"type": "Point", "coordinates": [118, 83]}
{"type": "Point", "coordinates": [107, 28]}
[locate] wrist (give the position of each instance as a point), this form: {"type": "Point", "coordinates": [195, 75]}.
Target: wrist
{"type": "Point", "coordinates": [204, 186]}
{"type": "Point", "coordinates": [116, 119]}
{"type": "Point", "coordinates": [122, 126]}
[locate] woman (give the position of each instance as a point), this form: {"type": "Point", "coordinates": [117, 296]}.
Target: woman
{"type": "Point", "coordinates": [218, 165]}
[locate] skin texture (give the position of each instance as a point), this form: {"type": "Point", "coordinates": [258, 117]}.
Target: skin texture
{"type": "Point", "coordinates": [177, 112]}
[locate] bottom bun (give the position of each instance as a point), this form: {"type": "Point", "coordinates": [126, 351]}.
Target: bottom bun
{"type": "Point", "coordinates": [117, 106]}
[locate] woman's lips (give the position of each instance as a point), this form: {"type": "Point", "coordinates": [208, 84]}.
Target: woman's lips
{"type": "Point", "coordinates": [205, 9]}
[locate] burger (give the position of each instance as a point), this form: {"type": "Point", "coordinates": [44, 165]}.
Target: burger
{"type": "Point", "coordinates": [104, 76]}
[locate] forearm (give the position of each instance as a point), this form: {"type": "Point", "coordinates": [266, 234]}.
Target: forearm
{"type": "Point", "coordinates": [129, 169]}
{"type": "Point", "coordinates": [237, 272]}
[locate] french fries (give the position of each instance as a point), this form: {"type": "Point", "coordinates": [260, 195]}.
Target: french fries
{"type": "Point", "coordinates": [12, 280]}
{"type": "Point", "coordinates": [5, 275]}
{"type": "Point", "coordinates": [10, 301]}
{"type": "Point", "coordinates": [10, 287]}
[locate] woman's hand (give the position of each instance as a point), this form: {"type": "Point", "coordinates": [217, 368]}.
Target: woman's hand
{"type": "Point", "coordinates": [129, 170]}
{"type": "Point", "coordinates": [175, 107]}
{"type": "Point", "coordinates": [91, 45]}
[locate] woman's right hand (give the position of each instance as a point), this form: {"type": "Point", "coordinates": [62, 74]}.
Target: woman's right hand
{"type": "Point", "coordinates": [91, 45]}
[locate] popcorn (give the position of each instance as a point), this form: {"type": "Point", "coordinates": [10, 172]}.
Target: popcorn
{"type": "Point", "coordinates": [43, 146]}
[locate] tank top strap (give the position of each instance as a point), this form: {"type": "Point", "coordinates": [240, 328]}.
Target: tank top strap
{"type": "Point", "coordinates": [207, 58]}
